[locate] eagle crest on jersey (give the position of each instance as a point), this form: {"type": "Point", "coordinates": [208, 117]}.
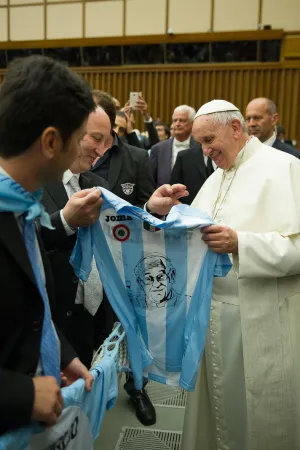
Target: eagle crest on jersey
{"type": "Point", "coordinates": [127, 188]}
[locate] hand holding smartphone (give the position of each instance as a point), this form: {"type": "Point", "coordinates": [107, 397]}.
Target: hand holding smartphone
{"type": "Point", "coordinates": [133, 98]}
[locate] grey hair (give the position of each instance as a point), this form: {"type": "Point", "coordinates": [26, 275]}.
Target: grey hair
{"type": "Point", "coordinates": [271, 106]}
{"type": "Point", "coordinates": [188, 109]}
{"type": "Point", "coordinates": [225, 117]}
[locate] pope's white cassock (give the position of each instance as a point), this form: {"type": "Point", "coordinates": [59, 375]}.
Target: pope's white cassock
{"type": "Point", "coordinates": [248, 390]}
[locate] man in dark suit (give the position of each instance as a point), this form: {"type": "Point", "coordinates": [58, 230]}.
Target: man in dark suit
{"type": "Point", "coordinates": [128, 135]}
{"type": "Point", "coordinates": [126, 168]}
{"type": "Point", "coordinates": [164, 154]}
{"type": "Point", "coordinates": [163, 130]}
{"type": "Point", "coordinates": [261, 120]}
{"type": "Point", "coordinates": [122, 120]}
{"type": "Point", "coordinates": [43, 110]}
{"type": "Point", "coordinates": [286, 148]}
{"type": "Point", "coordinates": [191, 169]}
{"type": "Point", "coordinates": [281, 135]}
{"type": "Point", "coordinates": [72, 311]}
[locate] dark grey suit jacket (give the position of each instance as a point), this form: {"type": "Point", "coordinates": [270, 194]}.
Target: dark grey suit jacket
{"type": "Point", "coordinates": [145, 143]}
{"type": "Point", "coordinates": [286, 148]}
{"type": "Point", "coordinates": [129, 164]}
{"type": "Point", "coordinates": [190, 169]}
{"type": "Point", "coordinates": [161, 160]}
{"type": "Point", "coordinates": [59, 246]}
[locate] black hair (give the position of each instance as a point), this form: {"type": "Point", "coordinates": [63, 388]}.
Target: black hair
{"type": "Point", "coordinates": [121, 114]}
{"type": "Point", "coordinates": [166, 127]}
{"type": "Point", "coordinates": [107, 103]}
{"type": "Point", "coordinates": [39, 92]}
{"type": "Point", "coordinates": [280, 129]}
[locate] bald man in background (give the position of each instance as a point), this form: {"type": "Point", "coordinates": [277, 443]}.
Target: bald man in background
{"type": "Point", "coordinates": [261, 120]}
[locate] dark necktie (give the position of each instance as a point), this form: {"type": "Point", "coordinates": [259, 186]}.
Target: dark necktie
{"type": "Point", "coordinates": [209, 167]}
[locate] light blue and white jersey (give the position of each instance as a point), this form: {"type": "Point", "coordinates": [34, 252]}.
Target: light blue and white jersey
{"type": "Point", "coordinates": [158, 283]}
{"type": "Point", "coordinates": [79, 424]}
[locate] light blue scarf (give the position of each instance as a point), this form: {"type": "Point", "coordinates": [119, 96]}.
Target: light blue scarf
{"type": "Point", "coordinates": [14, 198]}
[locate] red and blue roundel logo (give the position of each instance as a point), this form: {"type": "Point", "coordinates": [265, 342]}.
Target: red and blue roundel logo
{"type": "Point", "coordinates": [121, 233]}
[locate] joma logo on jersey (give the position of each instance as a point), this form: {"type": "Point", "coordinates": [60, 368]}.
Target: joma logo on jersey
{"type": "Point", "coordinates": [63, 442]}
{"type": "Point", "coordinates": [122, 218]}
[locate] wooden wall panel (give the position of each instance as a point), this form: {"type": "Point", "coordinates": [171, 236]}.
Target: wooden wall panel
{"type": "Point", "coordinates": [166, 87]}
{"type": "Point", "coordinates": [291, 47]}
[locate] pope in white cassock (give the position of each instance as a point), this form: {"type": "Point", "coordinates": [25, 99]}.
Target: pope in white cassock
{"type": "Point", "coordinates": [248, 390]}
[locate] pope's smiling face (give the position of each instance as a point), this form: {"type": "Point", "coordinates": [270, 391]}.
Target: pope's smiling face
{"type": "Point", "coordinates": [219, 142]}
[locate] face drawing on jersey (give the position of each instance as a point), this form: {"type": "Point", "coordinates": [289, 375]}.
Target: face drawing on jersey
{"type": "Point", "coordinates": [156, 277]}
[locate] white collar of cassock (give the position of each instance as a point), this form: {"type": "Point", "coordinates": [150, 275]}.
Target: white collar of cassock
{"type": "Point", "coordinates": [246, 152]}
{"type": "Point", "coordinates": [68, 175]}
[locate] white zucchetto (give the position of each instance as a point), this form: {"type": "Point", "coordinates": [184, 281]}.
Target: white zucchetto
{"type": "Point", "coordinates": [215, 106]}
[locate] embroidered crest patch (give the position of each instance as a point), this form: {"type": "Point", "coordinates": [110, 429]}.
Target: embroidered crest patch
{"type": "Point", "coordinates": [127, 188]}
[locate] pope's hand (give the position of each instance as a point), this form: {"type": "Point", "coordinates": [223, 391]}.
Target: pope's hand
{"type": "Point", "coordinates": [165, 197]}
{"type": "Point", "coordinates": [220, 239]}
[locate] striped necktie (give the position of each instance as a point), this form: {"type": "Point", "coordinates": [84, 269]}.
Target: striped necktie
{"type": "Point", "coordinates": [93, 289]}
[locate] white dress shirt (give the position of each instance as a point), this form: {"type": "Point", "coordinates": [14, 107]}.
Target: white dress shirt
{"type": "Point", "coordinates": [79, 300]}
{"type": "Point", "coordinates": [271, 140]}
{"type": "Point", "coordinates": [178, 146]}
{"type": "Point", "coordinates": [83, 294]}
{"type": "Point", "coordinates": [66, 178]}
{"type": "Point", "coordinates": [213, 163]}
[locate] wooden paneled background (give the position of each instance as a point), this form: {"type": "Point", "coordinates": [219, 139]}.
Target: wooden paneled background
{"type": "Point", "coordinates": [166, 87]}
